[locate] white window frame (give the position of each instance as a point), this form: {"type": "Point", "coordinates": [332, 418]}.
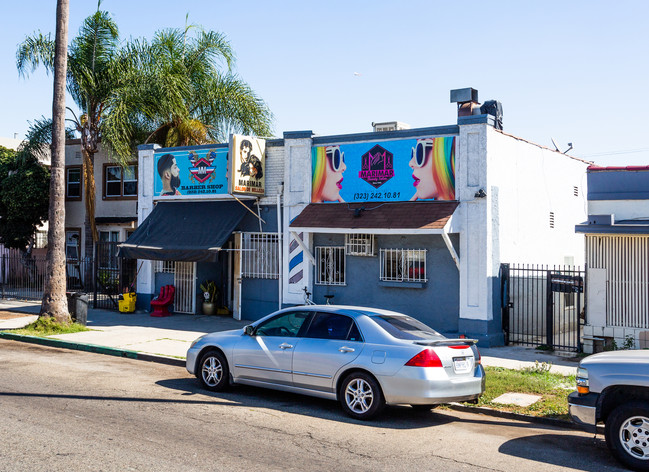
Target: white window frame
{"type": "Point", "coordinates": [122, 180]}
{"type": "Point", "coordinates": [359, 245]}
{"type": "Point", "coordinates": [260, 255]}
{"type": "Point", "coordinates": [396, 265]}
{"type": "Point", "coordinates": [72, 242]}
{"type": "Point", "coordinates": [40, 239]}
{"type": "Point", "coordinates": [328, 270]}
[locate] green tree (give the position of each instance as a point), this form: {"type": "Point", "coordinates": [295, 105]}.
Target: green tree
{"type": "Point", "coordinates": [24, 199]}
{"type": "Point", "coordinates": [177, 89]}
{"type": "Point", "coordinates": [189, 94]}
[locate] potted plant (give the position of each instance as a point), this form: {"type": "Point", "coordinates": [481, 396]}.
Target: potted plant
{"type": "Point", "coordinates": [210, 294]}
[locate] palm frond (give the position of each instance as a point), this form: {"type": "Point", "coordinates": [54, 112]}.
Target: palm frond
{"type": "Point", "coordinates": [34, 51]}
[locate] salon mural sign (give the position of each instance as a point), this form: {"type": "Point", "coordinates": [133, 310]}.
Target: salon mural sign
{"type": "Point", "coordinates": [190, 172]}
{"type": "Point", "coordinates": [248, 165]}
{"type": "Point", "coordinates": [387, 171]}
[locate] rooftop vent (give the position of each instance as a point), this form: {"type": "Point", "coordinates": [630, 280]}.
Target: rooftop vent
{"type": "Point", "coordinates": [389, 126]}
{"type": "Point", "coordinates": [467, 105]}
{"type": "Point", "coordinates": [467, 101]}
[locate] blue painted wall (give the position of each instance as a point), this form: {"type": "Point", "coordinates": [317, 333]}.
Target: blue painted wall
{"type": "Point", "coordinates": [259, 297]}
{"type": "Point", "coordinates": [618, 184]}
{"type": "Point", "coordinates": [436, 304]}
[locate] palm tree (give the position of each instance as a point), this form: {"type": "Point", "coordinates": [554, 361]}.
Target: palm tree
{"type": "Point", "coordinates": [183, 96]}
{"type": "Point", "coordinates": [93, 74]}
{"type": "Point", "coordinates": [55, 303]}
{"type": "Point", "coordinates": [170, 91]}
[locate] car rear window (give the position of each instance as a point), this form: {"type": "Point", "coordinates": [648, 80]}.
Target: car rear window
{"type": "Point", "coordinates": [404, 327]}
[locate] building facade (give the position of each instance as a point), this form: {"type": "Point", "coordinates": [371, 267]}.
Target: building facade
{"type": "Point", "coordinates": [617, 257]}
{"type": "Point", "coordinates": [413, 220]}
{"type": "Point", "coordinates": [116, 190]}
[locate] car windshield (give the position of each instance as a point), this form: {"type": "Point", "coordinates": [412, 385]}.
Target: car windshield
{"type": "Point", "coordinates": [404, 327]}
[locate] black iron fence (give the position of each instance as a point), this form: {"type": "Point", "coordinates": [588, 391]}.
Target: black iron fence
{"type": "Point", "coordinates": [103, 277]}
{"type": "Point", "coordinates": [543, 305]}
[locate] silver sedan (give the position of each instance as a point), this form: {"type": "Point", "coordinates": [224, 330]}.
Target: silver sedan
{"type": "Point", "coordinates": [363, 357]}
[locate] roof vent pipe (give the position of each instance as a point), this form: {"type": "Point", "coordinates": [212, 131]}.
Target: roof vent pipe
{"type": "Point", "coordinates": [467, 101]}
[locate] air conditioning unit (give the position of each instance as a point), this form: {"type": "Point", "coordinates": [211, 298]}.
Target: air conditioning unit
{"type": "Point", "coordinates": [389, 126]}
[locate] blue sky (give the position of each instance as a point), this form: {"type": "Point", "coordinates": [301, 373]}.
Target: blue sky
{"type": "Point", "coordinates": [575, 71]}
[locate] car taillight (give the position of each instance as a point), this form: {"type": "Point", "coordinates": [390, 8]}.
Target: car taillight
{"type": "Point", "coordinates": [459, 347]}
{"type": "Point", "coordinates": [426, 358]}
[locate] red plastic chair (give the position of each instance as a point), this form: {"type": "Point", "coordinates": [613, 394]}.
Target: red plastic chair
{"type": "Point", "coordinates": [161, 303]}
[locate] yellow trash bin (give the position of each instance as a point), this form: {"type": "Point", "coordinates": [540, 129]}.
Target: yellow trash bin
{"type": "Point", "coordinates": [127, 305]}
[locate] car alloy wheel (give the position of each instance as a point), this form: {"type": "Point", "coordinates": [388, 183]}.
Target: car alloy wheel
{"type": "Point", "coordinates": [213, 372]}
{"type": "Point", "coordinates": [627, 434]}
{"type": "Point", "coordinates": [361, 396]}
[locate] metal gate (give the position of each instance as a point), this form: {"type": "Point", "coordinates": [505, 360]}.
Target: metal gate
{"type": "Point", "coordinates": [542, 305]}
{"type": "Point", "coordinates": [184, 280]}
{"type": "Point", "coordinates": [113, 275]}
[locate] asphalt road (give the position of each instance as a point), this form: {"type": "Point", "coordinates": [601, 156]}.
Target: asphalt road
{"type": "Point", "coordinates": [68, 410]}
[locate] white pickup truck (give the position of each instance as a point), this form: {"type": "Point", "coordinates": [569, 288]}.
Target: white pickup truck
{"type": "Point", "coordinates": [613, 388]}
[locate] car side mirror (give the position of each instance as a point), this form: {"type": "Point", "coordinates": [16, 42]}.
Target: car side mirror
{"type": "Point", "coordinates": [249, 330]}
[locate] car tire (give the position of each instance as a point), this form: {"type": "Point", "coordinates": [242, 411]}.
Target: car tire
{"type": "Point", "coordinates": [627, 434]}
{"type": "Point", "coordinates": [360, 396]}
{"type": "Point", "coordinates": [213, 372]}
{"type": "Point", "coordinates": [423, 407]}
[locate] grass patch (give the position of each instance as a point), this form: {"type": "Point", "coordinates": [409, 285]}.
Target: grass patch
{"type": "Point", "coordinates": [553, 389]}
{"type": "Point", "coordinates": [47, 326]}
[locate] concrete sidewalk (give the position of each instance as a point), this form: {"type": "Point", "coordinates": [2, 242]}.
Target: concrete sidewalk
{"type": "Point", "coordinates": [170, 337]}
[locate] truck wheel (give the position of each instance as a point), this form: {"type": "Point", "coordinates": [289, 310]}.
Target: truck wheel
{"type": "Point", "coordinates": [627, 434]}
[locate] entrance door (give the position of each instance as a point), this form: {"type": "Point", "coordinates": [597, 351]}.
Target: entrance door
{"type": "Point", "coordinates": [184, 281]}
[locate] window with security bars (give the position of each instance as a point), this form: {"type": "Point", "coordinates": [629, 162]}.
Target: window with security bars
{"type": "Point", "coordinates": [260, 255]}
{"type": "Point", "coordinates": [40, 239]}
{"type": "Point", "coordinates": [359, 244]}
{"type": "Point", "coordinates": [330, 268]}
{"type": "Point", "coordinates": [166, 267]}
{"type": "Point", "coordinates": [403, 265]}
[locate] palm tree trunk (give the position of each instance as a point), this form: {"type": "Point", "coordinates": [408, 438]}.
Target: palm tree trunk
{"type": "Point", "coordinates": [89, 192]}
{"type": "Point", "coordinates": [54, 300]}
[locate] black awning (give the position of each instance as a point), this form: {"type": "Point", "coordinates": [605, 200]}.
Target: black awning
{"type": "Point", "coordinates": [184, 231]}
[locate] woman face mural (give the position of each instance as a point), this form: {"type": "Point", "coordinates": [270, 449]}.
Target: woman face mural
{"type": "Point", "coordinates": [433, 169]}
{"type": "Point", "coordinates": [328, 168]}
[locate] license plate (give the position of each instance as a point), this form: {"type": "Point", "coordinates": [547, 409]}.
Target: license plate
{"type": "Point", "coordinates": [461, 364]}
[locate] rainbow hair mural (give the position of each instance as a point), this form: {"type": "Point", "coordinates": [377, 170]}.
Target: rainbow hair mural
{"type": "Point", "coordinates": [443, 156]}
{"type": "Point", "coordinates": [318, 167]}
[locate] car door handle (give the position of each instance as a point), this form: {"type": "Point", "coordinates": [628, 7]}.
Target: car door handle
{"type": "Point", "coordinates": [286, 346]}
{"type": "Point", "coordinates": [346, 349]}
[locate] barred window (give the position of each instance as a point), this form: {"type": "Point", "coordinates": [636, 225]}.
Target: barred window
{"type": "Point", "coordinates": [403, 265]}
{"type": "Point", "coordinates": [330, 269]}
{"type": "Point", "coordinates": [260, 258]}
{"type": "Point", "coordinates": [40, 240]}
{"type": "Point", "coordinates": [359, 244]}
{"type": "Point", "coordinates": [166, 267]}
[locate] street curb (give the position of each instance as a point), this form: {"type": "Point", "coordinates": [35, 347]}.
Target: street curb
{"type": "Point", "coordinates": [557, 423]}
{"type": "Point", "coordinates": [109, 351]}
